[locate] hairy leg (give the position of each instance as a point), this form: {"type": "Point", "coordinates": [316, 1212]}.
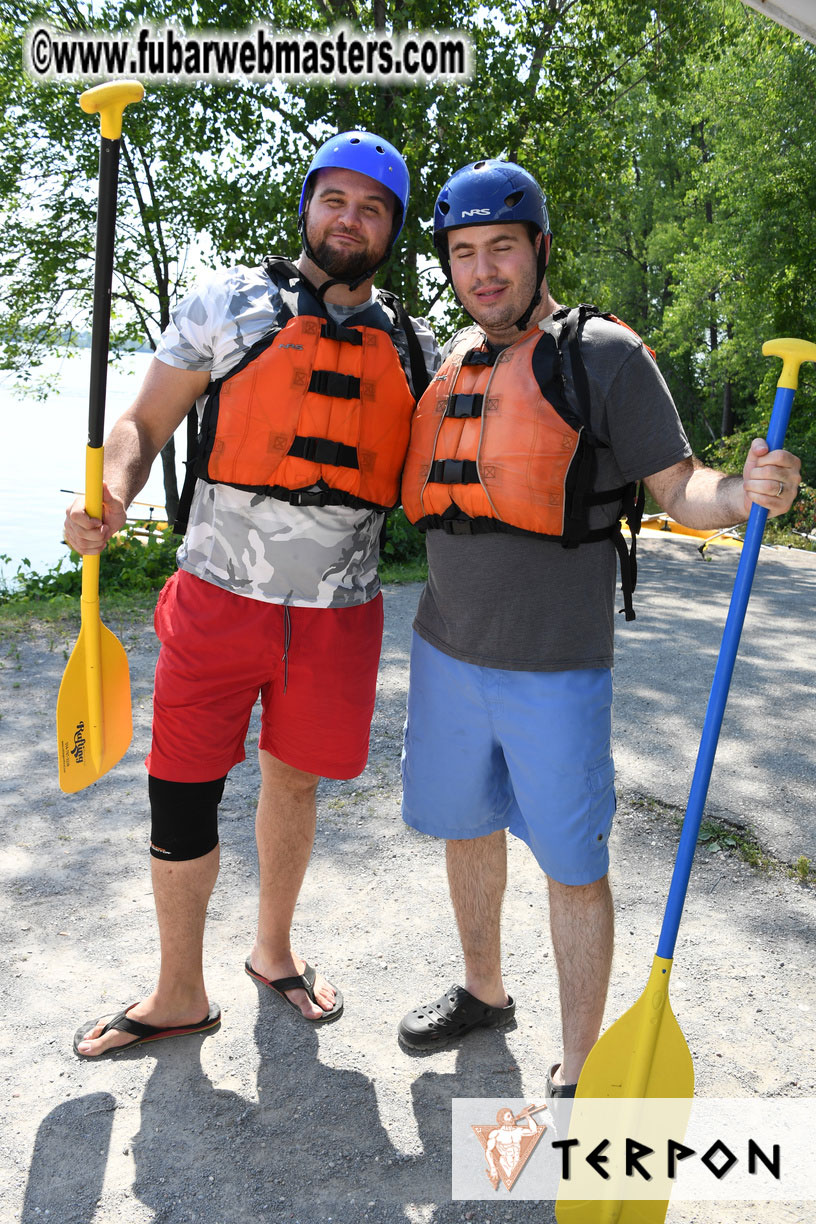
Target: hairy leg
{"type": "Point", "coordinates": [181, 892]}
{"type": "Point", "coordinates": [582, 927]}
{"type": "Point", "coordinates": [477, 876]}
{"type": "Point", "coordinates": [285, 829]}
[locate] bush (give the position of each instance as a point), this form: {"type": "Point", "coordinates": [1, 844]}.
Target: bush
{"type": "Point", "coordinates": [131, 564]}
{"type": "Point", "coordinates": [134, 564]}
{"type": "Point", "coordinates": [404, 544]}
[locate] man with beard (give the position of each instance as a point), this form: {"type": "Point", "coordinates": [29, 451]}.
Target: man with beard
{"type": "Point", "coordinates": [305, 379]}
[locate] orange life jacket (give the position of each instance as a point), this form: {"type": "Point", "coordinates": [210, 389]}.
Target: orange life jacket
{"type": "Point", "coordinates": [315, 413]}
{"type": "Point", "coordinates": [496, 446]}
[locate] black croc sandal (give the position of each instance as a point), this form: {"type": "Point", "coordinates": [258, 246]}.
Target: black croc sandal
{"type": "Point", "coordinates": [558, 1091]}
{"type": "Point", "coordinates": [455, 1014]}
{"type": "Point", "coordinates": [559, 1098]}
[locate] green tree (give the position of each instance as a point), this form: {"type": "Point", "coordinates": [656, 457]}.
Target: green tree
{"type": "Point", "coordinates": [704, 246]}
{"type": "Point", "coordinates": [666, 136]}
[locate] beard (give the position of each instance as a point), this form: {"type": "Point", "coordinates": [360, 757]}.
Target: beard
{"type": "Point", "coordinates": [340, 264]}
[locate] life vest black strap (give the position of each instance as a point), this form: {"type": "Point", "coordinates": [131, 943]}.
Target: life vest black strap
{"type": "Point", "coordinates": [454, 471]}
{"type": "Point", "coordinates": [455, 522]}
{"type": "Point", "coordinates": [332, 330]}
{"type": "Point", "coordinates": [481, 357]}
{"type": "Point", "coordinates": [609, 495]}
{"type": "Point", "coordinates": [323, 450]}
{"type": "Point", "coordinates": [340, 386]}
{"type": "Point", "coordinates": [464, 406]}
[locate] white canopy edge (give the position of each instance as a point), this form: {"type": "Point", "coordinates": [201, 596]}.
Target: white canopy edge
{"type": "Point", "coordinates": [797, 15]}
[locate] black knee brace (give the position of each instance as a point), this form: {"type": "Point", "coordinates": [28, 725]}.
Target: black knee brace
{"type": "Point", "coordinates": [184, 818]}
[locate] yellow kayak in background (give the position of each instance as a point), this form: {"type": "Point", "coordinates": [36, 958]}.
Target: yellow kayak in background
{"type": "Point", "coordinates": [662, 522]}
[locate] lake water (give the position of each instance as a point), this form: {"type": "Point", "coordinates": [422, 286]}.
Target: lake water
{"type": "Point", "coordinates": [44, 452]}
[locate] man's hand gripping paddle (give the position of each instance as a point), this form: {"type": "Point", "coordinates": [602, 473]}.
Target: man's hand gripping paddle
{"type": "Point", "coordinates": [94, 725]}
{"type": "Point", "coordinates": [644, 1054]}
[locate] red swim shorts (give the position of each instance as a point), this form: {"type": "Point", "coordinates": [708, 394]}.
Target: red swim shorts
{"type": "Point", "coordinates": [314, 668]}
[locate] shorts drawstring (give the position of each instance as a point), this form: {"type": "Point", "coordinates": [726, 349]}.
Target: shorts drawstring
{"type": "Point", "coordinates": [287, 638]}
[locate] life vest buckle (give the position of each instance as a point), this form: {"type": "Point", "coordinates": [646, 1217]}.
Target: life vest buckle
{"type": "Point", "coordinates": [464, 406]}
{"type": "Point", "coordinates": [307, 497]}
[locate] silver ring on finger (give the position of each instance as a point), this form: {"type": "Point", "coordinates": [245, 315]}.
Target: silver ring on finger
{"type": "Point", "coordinates": [781, 489]}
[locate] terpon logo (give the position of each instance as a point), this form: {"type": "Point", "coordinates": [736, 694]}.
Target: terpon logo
{"type": "Point", "coordinates": [508, 1143]}
{"type": "Point", "coordinates": [635, 1149]}
{"type": "Point", "coordinates": [78, 750]}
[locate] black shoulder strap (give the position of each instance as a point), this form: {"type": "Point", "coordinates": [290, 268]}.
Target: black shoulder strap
{"type": "Point", "coordinates": [419, 371]}
{"type": "Point", "coordinates": [570, 337]}
{"type": "Point", "coordinates": [284, 268]}
{"type": "Point", "coordinates": [190, 478]}
{"type": "Point", "coordinates": [632, 496]}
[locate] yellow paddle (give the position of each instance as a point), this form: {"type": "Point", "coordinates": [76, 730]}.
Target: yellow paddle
{"type": "Point", "coordinates": [644, 1054]}
{"type": "Point", "coordinates": [94, 725]}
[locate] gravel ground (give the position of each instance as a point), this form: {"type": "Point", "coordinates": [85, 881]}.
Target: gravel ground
{"type": "Point", "coordinates": [268, 1119]}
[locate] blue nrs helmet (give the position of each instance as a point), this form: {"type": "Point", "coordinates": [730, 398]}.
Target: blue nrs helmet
{"type": "Point", "coordinates": [367, 154]}
{"type": "Point", "coordinates": [487, 193]}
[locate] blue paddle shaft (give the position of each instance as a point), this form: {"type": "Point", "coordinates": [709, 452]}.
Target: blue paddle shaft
{"type": "Point", "coordinates": [719, 693]}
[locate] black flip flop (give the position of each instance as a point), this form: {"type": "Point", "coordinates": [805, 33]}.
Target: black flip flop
{"type": "Point", "coordinates": [142, 1032]}
{"type": "Point", "coordinates": [303, 981]}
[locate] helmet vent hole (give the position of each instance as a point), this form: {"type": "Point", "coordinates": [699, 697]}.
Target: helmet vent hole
{"type": "Point", "coordinates": [479, 165]}
{"type": "Point", "coordinates": [513, 199]}
{"type": "Point", "coordinates": [379, 148]}
{"type": "Point", "coordinates": [444, 207]}
{"type": "Point", "coordinates": [354, 140]}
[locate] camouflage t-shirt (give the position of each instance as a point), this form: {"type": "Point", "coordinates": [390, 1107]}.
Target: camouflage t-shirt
{"type": "Point", "coordinates": [315, 556]}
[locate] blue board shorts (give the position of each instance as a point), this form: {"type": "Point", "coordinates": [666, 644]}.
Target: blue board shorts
{"type": "Point", "coordinates": [488, 749]}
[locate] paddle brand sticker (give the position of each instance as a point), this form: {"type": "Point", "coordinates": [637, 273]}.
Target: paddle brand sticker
{"type": "Point", "coordinates": [78, 750]}
{"type": "Point", "coordinates": [508, 1143]}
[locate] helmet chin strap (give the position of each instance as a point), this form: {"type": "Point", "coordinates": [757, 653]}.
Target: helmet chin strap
{"type": "Point", "coordinates": [542, 259]}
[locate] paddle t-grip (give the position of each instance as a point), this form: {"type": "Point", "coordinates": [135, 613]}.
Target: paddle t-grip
{"type": "Point", "coordinates": [793, 353]}
{"type": "Point", "coordinates": [109, 102]}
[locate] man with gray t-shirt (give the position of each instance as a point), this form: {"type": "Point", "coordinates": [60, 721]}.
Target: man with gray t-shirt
{"type": "Point", "coordinates": [305, 379]}
{"type": "Point", "coordinates": [524, 454]}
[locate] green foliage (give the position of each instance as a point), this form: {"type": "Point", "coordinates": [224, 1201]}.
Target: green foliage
{"type": "Point", "coordinates": [674, 141]}
{"type": "Point", "coordinates": [402, 557]}
{"type": "Point", "coordinates": [703, 242]}
{"type": "Point", "coordinates": [131, 564]}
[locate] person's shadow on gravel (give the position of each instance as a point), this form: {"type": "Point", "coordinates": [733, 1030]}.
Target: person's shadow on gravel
{"type": "Point", "coordinates": [69, 1161]}
{"type": "Point", "coordinates": [311, 1146]}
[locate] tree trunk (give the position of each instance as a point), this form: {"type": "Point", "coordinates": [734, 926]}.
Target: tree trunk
{"type": "Point", "coordinates": [727, 427]}
{"type": "Point", "coordinates": [171, 493]}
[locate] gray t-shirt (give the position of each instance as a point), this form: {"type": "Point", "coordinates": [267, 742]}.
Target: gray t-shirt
{"type": "Point", "coordinates": [528, 604]}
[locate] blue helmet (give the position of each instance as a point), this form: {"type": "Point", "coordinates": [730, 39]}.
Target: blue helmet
{"type": "Point", "coordinates": [489, 192]}
{"type": "Point", "coordinates": [367, 154]}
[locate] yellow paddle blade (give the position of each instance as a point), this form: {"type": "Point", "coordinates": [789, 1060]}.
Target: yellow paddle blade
{"type": "Point", "coordinates": [94, 725]}
{"type": "Point", "coordinates": [644, 1054]}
